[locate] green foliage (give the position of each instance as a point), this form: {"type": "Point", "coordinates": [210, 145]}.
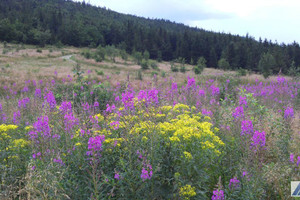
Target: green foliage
{"type": "Point", "coordinates": [124, 55]}
{"type": "Point", "coordinates": [77, 73]}
{"type": "Point", "coordinates": [154, 73]}
{"type": "Point", "coordinates": [201, 64]}
{"type": "Point", "coordinates": [153, 65]}
{"type": "Point", "coordinates": [86, 54]}
{"type": "Point", "coordinates": [146, 55]}
{"type": "Point", "coordinates": [39, 51]}
{"type": "Point", "coordinates": [174, 67]}
{"type": "Point", "coordinates": [182, 69]}
{"type": "Point", "coordinates": [99, 73]}
{"type": "Point", "coordinates": [241, 72]}
{"type": "Point", "coordinates": [99, 54]}
{"type": "Point", "coordinates": [266, 64]}
{"type": "Point", "coordinates": [5, 44]}
{"type": "Point", "coordinates": [293, 70]}
{"type": "Point", "coordinates": [144, 64]}
{"type": "Point", "coordinates": [112, 52]}
{"type": "Point", "coordinates": [138, 57]}
{"type": "Point", "coordinates": [223, 64]}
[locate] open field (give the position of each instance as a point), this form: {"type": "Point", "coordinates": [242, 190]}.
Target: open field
{"type": "Point", "coordinates": [115, 131]}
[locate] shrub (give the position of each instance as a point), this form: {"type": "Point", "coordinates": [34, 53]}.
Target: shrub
{"type": "Point", "coordinates": [201, 64]}
{"type": "Point", "coordinates": [144, 64]}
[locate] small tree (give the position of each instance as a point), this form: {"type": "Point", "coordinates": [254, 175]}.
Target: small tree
{"type": "Point", "coordinates": [112, 52]}
{"type": "Point", "coordinates": [138, 57]}
{"type": "Point", "coordinates": [146, 55]}
{"type": "Point", "coordinates": [266, 64]}
{"type": "Point", "coordinates": [201, 64]}
{"type": "Point", "coordinates": [144, 64]}
{"type": "Point", "coordinates": [100, 54]}
{"type": "Point", "coordinates": [293, 70]}
{"type": "Point", "coordinates": [124, 55]}
{"type": "Point", "coordinates": [223, 64]}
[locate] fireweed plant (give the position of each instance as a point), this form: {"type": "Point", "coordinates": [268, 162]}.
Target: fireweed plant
{"type": "Point", "coordinates": [204, 138]}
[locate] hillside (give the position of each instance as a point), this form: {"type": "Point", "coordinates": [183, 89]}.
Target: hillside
{"type": "Point", "coordinates": [43, 22]}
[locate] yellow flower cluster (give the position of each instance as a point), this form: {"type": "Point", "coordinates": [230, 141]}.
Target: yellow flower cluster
{"type": "Point", "coordinates": [143, 127]}
{"type": "Point", "coordinates": [188, 155]}
{"type": "Point", "coordinates": [188, 129]}
{"type": "Point", "coordinates": [187, 191]}
{"type": "Point", "coordinates": [178, 125]}
{"type": "Point", "coordinates": [18, 143]}
{"type": "Point", "coordinates": [114, 141]}
{"type": "Point", "coordinates": [4, 127]}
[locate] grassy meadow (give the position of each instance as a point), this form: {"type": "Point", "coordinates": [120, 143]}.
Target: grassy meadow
{"type": "Point", "coordinates": [75, 128]}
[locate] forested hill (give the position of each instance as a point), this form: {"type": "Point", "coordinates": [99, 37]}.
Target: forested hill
{"type": "Point", "coordinates": [79, 24]}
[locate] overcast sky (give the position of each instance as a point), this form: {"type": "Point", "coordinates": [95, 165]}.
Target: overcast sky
{"type": "Point", "coordinates": [272, 19]}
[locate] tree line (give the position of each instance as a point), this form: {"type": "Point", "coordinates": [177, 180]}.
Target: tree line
{"type": "Point", "coordinates": [42, 22]}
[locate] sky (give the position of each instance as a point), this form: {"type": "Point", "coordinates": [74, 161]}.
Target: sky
{"type": "Point", "coordinates": [276, 20]}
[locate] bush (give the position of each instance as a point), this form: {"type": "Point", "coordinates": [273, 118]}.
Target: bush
{"type": "Point", "coordinates": [138, 57]}
{"type": "Point", "coordinates": [100, 73]}
{"type": "Point", "coordinates": [86, 54]}
{"type": "Point", "coordinates": [224, 64]}
{"type": "Point", "coordinates": [201, 64]}
{"type": "Point", "coordinates": [266, 64]}
{"type": "Point", "coordinates": [241, 72]}
{"type": "Point", "coordinates": [153, 65]}
{"type": "Point", "coordinates": [144, 64]}
{"type": "Point", "coordinates": [154, 73]}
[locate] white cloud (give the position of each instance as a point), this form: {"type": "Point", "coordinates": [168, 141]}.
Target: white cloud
{"type": "Point", "coordinates": [272, 19]}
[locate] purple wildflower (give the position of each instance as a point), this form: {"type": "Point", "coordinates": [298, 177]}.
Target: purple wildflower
{"type": "Point", "coordinates": [214, 90]}
{"type": "Point", "coordinates": [70, 121]}
{"type": "Point", "coordinates": [246, 127]}
{"type": "Point", "coordinates": [38, 93]}
{"type": "Point", "coordinates": [59, 161]}
{"type": "Point", "coordinates": [174, 87]}
{"type": "Point", "coordinates": [259, 139]}
{"type": "Point", "coordinates": [41, 126]}
{"type": "Point", "coordinates": [50, 98]}
{"type": "Point", "coordinates": [234, 183]}
{"type": "Point", "coordinates": [66, 107]}
{"type": "Point", "coordinates": [86, 106]}
{"type": "Point", "coordinates": [190, 83]}
{"type": "Point", "coordinates": [243, 101]}
{"type": "Point", "coordinates": [298, 161]}
{"type": "Point", "coordinates": [288, 113]}
{"type": "Point", "coordinates": [201, 93]}
{"type": "Point", "coordinates": [17, 117]}
{"type": "Point", "coordinates": [117, 176]}
{"type": "Point", "coordinates": [292, 158]}
{"type": "Point", "coordinates": [95, 144]}
{"type": "Point", "coordinates": [25, 89]}
{"type": "Point", "coordinates": [147, 174]}
{"type": "Point", "coordinates": [238, 112]}
{"type": "Point", "coordinates": [96, 104]}
{"type": "Point", "coordinates": [218, 195]}
{"type": "Point", "coordinates": [22, 103]}
{"type": "Point", "coordinates": [127, 99]}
